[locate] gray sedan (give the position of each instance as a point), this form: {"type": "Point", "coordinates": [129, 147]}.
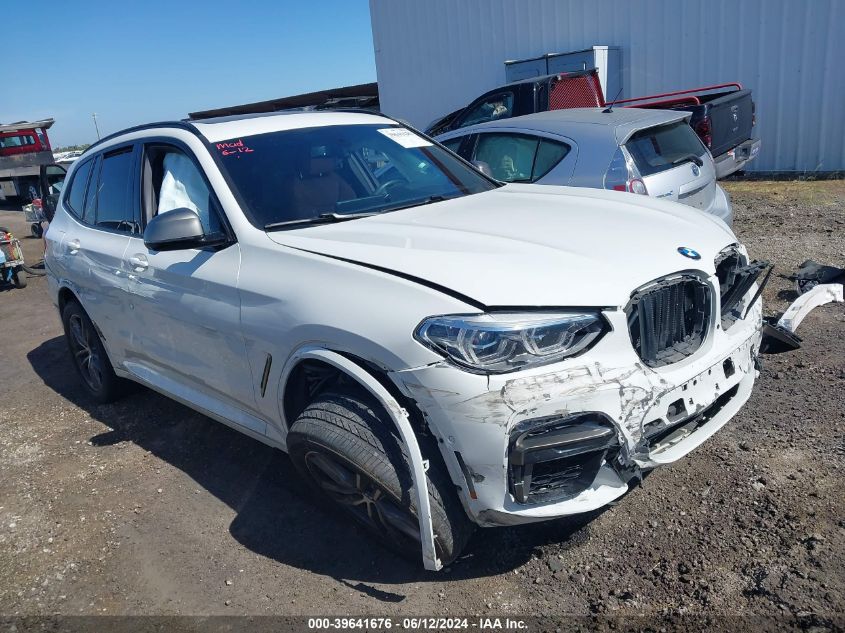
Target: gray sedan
{"type": "Point", "coordinates": [649, 152]}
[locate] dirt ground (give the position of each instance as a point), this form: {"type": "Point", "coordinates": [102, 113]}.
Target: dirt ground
{"type": "Point", "coordinates": [145, 507]}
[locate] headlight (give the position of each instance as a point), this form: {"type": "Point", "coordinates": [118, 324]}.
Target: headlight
{"type": "Point", "coordinates": [502, 342]}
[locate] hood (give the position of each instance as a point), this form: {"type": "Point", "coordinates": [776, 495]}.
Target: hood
{"type": "Point", "coordinates": [528, 245]}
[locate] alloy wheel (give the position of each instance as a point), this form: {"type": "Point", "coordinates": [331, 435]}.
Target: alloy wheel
{"type": "Point", "coordinates": [363, 497]}
{"type": "Point", "coordinates": [85, 353]}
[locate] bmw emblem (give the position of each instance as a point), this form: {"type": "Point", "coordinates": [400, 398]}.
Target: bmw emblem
{"type": "Point", "coordinates": [688, 252]}
{"type": "Point", "coordinates": [695, 170]}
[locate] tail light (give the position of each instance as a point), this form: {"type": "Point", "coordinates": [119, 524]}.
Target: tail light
{"type": "Point", "coordinates": [753, 114]}
{"type": "Point", "coordinates": [635, 185]}
{"type": "Point", "coordinates": [704, 129]}
{"type": "Point", "coordinates": [621, 175]}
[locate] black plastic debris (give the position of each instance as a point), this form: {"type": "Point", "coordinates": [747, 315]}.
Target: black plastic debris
{"type": "Point", "coordinates": [777, 339]}
{"type": "Point", "coordinates": [811, 273]}
{"type": "Point", "coordinates": [736, 284]}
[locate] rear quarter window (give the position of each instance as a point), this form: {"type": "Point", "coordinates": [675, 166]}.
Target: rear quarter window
{"type": "Point", "coordinates": [75, 198]}
{"type": "Point", "coordinates": [660, 148]}
{"type": "Point", "coordinates": [549, 154]}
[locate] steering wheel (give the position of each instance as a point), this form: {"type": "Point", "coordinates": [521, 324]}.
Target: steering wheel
{"type": "Point", "coordinates": [382, 189]}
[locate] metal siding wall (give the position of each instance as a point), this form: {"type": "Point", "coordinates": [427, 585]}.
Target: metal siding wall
{"type": "Point", "coordinates": [432, 57]}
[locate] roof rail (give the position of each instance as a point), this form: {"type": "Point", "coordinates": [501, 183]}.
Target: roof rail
{"type": "Point", "coordinates": [184, 125]}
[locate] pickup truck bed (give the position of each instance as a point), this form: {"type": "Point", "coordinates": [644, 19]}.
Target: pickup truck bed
{"type": "Point", "coordinates": [723, 120]}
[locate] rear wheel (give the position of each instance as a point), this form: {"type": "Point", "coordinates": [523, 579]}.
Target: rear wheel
{"type": "Point", "coordinates": [347, 448]}
{"type": "Point", "coordinates": [36, 229]}
{"type": "Point", "coordinates": [89, 356]}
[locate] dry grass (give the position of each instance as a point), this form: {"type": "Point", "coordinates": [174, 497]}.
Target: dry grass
{"type": "Point", "coordinates": [817, 192]}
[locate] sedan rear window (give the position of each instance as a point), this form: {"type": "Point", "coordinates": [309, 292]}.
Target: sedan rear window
{"type": "Point", "coordinates": [663, 147]}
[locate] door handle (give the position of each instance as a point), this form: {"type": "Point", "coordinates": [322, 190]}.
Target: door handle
{"type": "Point", "coordinates": [73, 246]}
{"type": "Point", "coordinates": [138, 263]}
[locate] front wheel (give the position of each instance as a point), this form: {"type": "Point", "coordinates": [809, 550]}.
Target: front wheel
{"type": "Point", "coordinates": [347, 448]}
{"type": "Point", "coordinates": [36, 229]}
{"type": "Point", "coordinates": [89, 356]}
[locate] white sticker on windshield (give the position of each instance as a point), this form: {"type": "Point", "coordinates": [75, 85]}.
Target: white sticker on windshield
{"type": "Point", "coordinates": [404, 137]}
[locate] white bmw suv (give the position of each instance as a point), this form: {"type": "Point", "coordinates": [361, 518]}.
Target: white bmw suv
{"type": "Point", "coordinates": [435, 350]}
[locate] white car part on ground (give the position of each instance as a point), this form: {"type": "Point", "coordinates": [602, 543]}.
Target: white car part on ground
{"type": "Point", "coordinates": [806, 303]}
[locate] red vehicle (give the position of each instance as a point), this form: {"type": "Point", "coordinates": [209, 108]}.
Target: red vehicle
{"type": "Point", "coordinates": [24, 149]}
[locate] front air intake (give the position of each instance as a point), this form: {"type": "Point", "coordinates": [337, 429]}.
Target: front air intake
{"type": "Point", "coordinates": [668, 319]}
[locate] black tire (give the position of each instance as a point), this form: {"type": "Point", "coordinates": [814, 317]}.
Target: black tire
{"type": "Point", "coordinates": [35, 271]}
{"type": "Point", "coordinates": [89, 356]}
{"type": "Point", "coordinates": [344, 433]}
{"type": "Point", "coordinates": [36, 229]}
{"type": "Point", "coordinates": [18, 278]}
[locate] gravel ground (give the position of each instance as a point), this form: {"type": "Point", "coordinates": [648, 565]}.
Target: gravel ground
{"type": "Point", "coordinates": [145, 507]}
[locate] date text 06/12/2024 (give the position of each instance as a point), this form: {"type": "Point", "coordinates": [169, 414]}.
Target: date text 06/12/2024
{"type": "Point", "coordinates": [417, 623]}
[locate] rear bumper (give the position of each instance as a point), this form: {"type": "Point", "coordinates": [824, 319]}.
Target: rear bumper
{"type": "Point", "coordinates": [722, 207]}
{"type": "Point", "coordinates": [735, 159]}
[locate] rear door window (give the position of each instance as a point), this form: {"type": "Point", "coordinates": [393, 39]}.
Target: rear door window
{"type": "Point", "coordinates": [519, 157]}
{"type": "Point", "coordinates": [115, 209]}
{"type": "Point", "coordinates": [663, 147]}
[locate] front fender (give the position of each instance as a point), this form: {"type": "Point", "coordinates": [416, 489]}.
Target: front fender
{"type": "Point", "coordinates": [397, 414]}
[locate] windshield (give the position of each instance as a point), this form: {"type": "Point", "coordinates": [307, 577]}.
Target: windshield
{"type": "Point", "coordinates": [292, 176]}
{"type": "Point", "coordinates": [659, 148]}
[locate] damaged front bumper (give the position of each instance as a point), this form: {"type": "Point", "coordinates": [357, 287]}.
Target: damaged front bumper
{"type": "Point", "coordinates": [571, 437]}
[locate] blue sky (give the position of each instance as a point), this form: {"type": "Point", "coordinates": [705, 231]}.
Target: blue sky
{"type": "Point", "coordinates": [134, 62]}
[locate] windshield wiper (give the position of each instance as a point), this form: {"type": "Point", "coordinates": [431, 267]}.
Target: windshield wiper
{"type": "Point", "coordinates": [417, 203]}
{"type": "Point", "coordinates": [323, 218]}
{"type": "Point", "coordinates": [331, 218]}
{"type": "Point", "coordinates": [688, 157]}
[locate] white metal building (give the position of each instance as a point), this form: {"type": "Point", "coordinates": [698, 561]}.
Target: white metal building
{"type": "Point", "coordinates": [434, 56]}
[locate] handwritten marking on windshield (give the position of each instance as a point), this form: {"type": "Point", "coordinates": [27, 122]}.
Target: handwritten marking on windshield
{"type": "Point", "coordinates": [233, 147]}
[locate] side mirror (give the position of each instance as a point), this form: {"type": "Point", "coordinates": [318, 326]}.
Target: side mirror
{"type": "Point", "coordinates": [174, 230]}
{"type": "Point", "coordinates": [483, 167]}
